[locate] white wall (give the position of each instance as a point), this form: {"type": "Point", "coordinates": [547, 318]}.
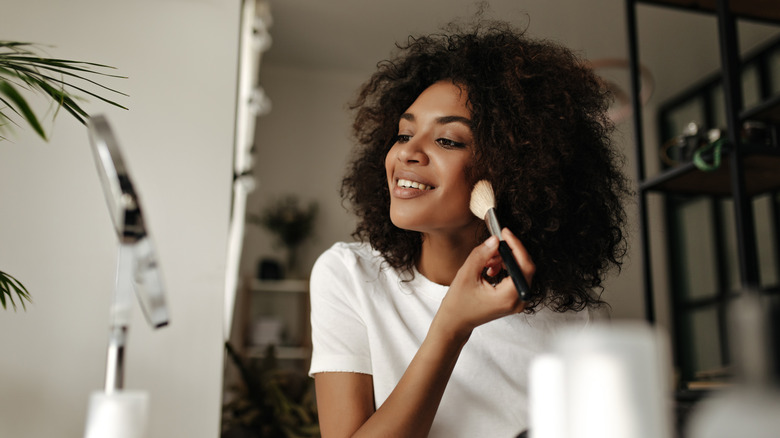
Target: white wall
{"type": "Point", "coordinates": [55, 233]}
{"type": "Point", "coordinates": [302, 148]}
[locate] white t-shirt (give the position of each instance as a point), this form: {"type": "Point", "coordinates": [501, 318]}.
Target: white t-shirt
{"type": "Point", "coordinates": [367, 319]}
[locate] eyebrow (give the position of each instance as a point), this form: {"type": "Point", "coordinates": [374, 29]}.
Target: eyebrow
{"type": "Point", "coordinates": [442, 120]}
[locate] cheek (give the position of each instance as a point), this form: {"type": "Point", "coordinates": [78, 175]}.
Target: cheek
{"type": "Point", "coordinates": [389, 160]}
{"type": "Point", "coordinates": [460, 203]}
{"type": "Point", "coordinates": [461, 194]}
{"type": "Point", "coordinates": [459, 176]}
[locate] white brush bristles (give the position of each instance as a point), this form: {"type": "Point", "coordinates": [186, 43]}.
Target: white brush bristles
{"type": "Point", "coordinates": [482, 199]}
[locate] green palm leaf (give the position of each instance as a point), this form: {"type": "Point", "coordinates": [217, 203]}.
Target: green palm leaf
{"type": "Point", "coordinates": [18, 104]}
{"type": "Point", "coordinates": [10, 286]}
{"type": "Point", "coordinates": [22, 70]}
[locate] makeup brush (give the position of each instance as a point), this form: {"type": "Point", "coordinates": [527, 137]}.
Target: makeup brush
{"type": "Point", "coordinates": [483, 205]}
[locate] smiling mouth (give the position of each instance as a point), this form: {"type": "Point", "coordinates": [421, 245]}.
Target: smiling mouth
{"type": "Point", "coordinates": [406, 184]}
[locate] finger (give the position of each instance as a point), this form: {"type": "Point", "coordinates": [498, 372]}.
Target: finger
{"type": "Point", "coordinates": [494, 266]}
{"type": "Point", "coordinates": [521, 254]}
{"type": "Point", "coordinates": [507, 288]}
{"type": "Point", "coordinates": [481, 256]}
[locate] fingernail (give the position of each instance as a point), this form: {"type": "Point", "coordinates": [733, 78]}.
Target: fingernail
{"type": "Point", "coordinates": [492, 242]}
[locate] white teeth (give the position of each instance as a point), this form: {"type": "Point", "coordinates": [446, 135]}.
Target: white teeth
{"type": "Point", "coordinates": [405, 183]}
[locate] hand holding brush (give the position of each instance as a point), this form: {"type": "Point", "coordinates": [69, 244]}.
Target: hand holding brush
{"type": "Point", "coordinates": [483, 205]}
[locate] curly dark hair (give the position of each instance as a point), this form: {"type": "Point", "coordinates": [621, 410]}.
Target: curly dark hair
{"type": "Point", "coordinates": [542, 139]}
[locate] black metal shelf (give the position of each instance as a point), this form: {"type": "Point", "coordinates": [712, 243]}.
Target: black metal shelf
{"type": "Point", "coordinates": [760, 163]}
{"type": "Point", "coordinates": [758, 10]}
{"type": "Point", "coordinates": [745, 170]}
{"type": "Point", "coordinates": [717, 298]}
{"type": "Point", "coordinates": [767, 111]}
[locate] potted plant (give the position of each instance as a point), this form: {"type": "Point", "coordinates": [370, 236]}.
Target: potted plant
{"type": "Point", "coordinates": [62, 82]}
{"type": "Point", "coordinates": [270, 402]}
{"type": "Point", "coordinates": [290, 223]}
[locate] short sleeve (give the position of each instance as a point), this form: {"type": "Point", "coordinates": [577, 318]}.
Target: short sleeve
{"type": "Point", "coordinates": [339, 336]}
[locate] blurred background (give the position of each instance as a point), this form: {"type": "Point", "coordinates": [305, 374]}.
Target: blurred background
{"type": "Point", "coordinates": [184, 63]}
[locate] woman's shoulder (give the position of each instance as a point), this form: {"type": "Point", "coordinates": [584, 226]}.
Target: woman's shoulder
{"type": "Point", "coordinates": [345, 271]}
{"type": "Point", "coordinates": [351, 251]}
{"type": "Point", "coordinates": [349, 256]}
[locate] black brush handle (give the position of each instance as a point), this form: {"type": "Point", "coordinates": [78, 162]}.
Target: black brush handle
{"type": "Point", "coordinates": [523, 291]}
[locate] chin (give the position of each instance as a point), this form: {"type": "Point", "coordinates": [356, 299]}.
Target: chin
{"type": "Point", "coordinates": [402, 224]}
{"type": "Point", "coordinates": [405, 222]}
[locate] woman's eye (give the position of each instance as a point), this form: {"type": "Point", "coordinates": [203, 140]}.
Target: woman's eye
{"type": "Point", "coordinates": [446, 142]}
{"type": "Point", "coordinates": [402, 138]}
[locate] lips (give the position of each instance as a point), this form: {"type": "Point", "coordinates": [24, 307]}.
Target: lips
{"type": "Point", "coordinates": [408, 185]}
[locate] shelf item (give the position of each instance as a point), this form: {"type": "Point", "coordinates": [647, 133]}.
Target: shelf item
{"type": "Point", "coordinates": [278, 314]}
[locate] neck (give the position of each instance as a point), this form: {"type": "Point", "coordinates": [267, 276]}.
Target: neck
{"type": "Point", "coordinates": [442, 255]}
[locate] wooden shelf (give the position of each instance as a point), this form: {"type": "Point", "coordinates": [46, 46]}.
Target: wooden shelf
{"type": "Point", "coordinates": [288, 301]}
{"type": "Point", "coordinates": [284, 286]}
{"type": "Point", "coordinates": [761, 10]}
{"type": "Point", "coordinates": [762, 174]}
{"type": "Point", "coordinates": [282, 352]}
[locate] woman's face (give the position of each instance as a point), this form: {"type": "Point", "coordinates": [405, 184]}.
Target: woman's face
{"type": "Point", "coordinates": [426, 167]}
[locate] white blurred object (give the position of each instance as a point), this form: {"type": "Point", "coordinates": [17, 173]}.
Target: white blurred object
{"type": "Point", "coordinates": [752, 407]}
{"type": "Point", "coordinates": [251, 102]}
{"type": "Point", "coordinates": [261, 37]}
{"type": "Point", "coordinates": [259, 103]}
{"type": "Point", "coordinates": [547, 393]}
{"type": "Point", "coordinates": [120, 414]}
{"type": "Point", "coordinates": [741, 412]}
{"type": "Point", "coordinates": [607, 381]}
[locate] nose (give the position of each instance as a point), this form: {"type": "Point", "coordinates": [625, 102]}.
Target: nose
{"type": "Point", "coordinates": [411, 152]}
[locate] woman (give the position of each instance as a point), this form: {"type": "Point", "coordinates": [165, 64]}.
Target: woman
{"type": "Point", "coordinates": [416, 331]}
